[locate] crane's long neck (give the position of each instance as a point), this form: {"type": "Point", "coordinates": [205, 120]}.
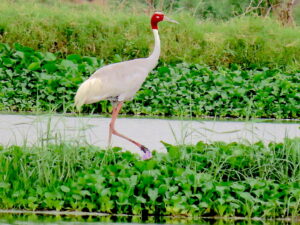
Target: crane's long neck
{"type": "Point", "coordinates": [153, 58]}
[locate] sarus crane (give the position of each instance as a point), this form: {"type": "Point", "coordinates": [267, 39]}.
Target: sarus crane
{"type": "Point", "coordinates": [119, 82]}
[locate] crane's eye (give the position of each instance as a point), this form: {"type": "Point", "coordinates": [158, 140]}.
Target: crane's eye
{"type": "Point", "coordinates": [157, 17]}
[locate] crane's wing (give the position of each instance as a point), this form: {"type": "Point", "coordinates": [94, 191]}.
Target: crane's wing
{"type": "Point", "coordinates": [88, 92]}
{"type": "Point", "coordinates": [120, 80]}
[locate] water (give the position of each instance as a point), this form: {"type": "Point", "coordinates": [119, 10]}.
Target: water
{"type": "Point", "coordinates": [30, 130]}
{"type": "Point", "coordinates": [34, 219]}
{"type": "Point", "coordinates": [20, 129]}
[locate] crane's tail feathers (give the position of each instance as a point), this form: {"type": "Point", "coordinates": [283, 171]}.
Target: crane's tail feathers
{"type": "Point", "coordinates": [85, 93]}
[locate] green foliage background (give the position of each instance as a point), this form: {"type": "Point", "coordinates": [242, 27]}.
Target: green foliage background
{"type": "Point", "coordinates": [107, 33]}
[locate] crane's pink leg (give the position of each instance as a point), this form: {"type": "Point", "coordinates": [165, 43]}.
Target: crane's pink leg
{"type": "Point", "coordinates": [116, 110]}
{"type": "Point", "coordinates": [110, 130]}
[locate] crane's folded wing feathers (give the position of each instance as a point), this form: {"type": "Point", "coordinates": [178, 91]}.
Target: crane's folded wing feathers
{"type": "Point", "coordinates": [118, 81]}
{"type": "Point", "coordinates": [88, 92]}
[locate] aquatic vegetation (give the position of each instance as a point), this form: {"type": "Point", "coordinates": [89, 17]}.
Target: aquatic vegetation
{"type": "Point", "coordinates": [202, 180]}
{"type": "Point", "coordinates": [37, 81]}
{"type": "Point", "coordinates": [196, 90]}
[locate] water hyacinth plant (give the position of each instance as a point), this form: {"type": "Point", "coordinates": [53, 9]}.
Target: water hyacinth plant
{"type": "Point", "coordinates": [36, 81]}
{"type": "Point", "coordinates": [215, 179]}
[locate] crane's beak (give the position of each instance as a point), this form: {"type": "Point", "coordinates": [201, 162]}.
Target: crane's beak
{"type": "Point", "coordinates": [170, 20]}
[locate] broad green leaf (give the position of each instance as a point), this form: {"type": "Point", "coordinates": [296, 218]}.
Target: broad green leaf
{"type": "Point", "coordinates": [238, 187]}
{"type": "Point", "coordinates": [34, 66]}
{"type": "Point", "coordinates": [8, 62]}
{"type": "Point", "coordinates": [67, 64]}
{"type": "Point", "coordinates": [153, 194]}
{"type": "Point", "coordinates": [74, 58]}
{"type": "Point", "coordinates": [65, 189]}
{"type": "Point", "coordinates": [48, 56]}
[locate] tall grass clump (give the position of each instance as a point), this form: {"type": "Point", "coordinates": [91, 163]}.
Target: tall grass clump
{"type": "Point", "coordinates": [215, 179]}
{"type": "Point", "coordinates": [111, 33]}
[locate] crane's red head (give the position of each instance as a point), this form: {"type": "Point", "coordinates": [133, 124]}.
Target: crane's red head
{"type": "Point", "coordinates": [156, 18]}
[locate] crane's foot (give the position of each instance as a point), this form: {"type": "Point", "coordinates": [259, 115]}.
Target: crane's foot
{"type": "Point", "coordinates": [147, 153]}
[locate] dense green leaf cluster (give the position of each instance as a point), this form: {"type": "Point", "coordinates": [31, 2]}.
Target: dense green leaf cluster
{"type": "Point", "coordinates": [197, 90]}
{"type": "Point", "coordinates": [203, 180]}
{"type": "Point", "coordinates": [33, 81]}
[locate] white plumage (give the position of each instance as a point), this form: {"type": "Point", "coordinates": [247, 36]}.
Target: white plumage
{"type": "Point", "coordinates": [119, 82]}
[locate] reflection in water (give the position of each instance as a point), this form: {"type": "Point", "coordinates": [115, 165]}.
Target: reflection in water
{"type": "Point", "coordinates": [33, 219]}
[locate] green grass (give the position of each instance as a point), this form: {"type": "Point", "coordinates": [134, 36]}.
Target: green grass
{"type": "Point", "coordinates": [109, 33]}
{"type": "Point", "coordinates": [36, 81]}
{"type": "Point", "coordinates": [203, 180]}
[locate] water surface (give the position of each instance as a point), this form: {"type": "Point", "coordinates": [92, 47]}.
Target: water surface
{"type": "Point", "coordinates": [34, 219]}
{"type": "Point", "coordinates": [31, 130]}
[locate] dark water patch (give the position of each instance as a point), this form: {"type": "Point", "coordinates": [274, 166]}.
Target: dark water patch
{"type": "Point", "coordinates": [93, 219]}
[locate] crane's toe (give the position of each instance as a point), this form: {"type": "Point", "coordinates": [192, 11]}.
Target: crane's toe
{"type": "Point", "coordinates": [147, 153]}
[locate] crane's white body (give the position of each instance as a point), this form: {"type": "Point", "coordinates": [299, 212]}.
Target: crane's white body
{"type": "Point", "coordinates": [118, 81]}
